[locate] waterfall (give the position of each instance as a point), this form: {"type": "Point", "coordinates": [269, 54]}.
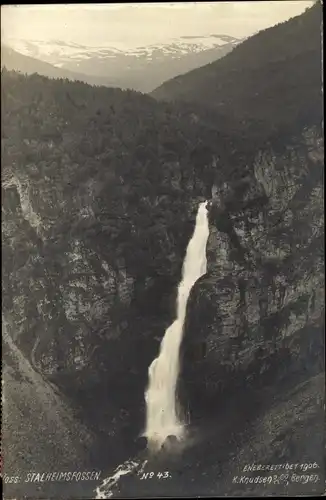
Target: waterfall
{"type": "Point", "coordinates": [162, 418]}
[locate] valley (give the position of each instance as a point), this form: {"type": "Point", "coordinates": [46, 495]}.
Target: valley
{"type": "Point", "coordinates": [101, 190]}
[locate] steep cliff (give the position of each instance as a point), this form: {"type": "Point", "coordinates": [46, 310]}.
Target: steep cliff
{"type": "Point", "coordinates": [263, 295]}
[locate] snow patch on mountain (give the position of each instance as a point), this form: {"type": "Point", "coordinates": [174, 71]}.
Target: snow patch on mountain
{"type": "Point", "coordinates": [59, 53]}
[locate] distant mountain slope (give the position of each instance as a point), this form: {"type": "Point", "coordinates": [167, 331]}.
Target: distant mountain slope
{"type": "Point", "coordinates": [274, 76]}
{"type": "Point", "coordinates": [13, 60]}
{"type": "Point", "coordinates": [141, 68]}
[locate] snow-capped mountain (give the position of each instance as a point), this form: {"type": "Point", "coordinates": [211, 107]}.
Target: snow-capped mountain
{"type": "Point", "coordinates": [58, 52]}
{"type": "Point", "coordinates": [141, 68]}
{"type": "Point", "coordinates": [14, 60]}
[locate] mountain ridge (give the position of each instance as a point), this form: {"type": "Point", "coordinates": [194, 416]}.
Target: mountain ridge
{"type": "Point", "coordinates": [141, 68]}
{"type": "Point", "coordinates": [13, 60]}
{"type": "Point", "coordinates": [269, 66]}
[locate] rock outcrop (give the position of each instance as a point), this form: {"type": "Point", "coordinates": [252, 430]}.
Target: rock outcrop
{"type": "Point", "coordinates": [257, 315]}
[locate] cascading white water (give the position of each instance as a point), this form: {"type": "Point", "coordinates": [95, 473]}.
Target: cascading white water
{"type": "Point", "coordinates": [162, 418]}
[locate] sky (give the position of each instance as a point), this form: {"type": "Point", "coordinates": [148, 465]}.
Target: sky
{"type": "Point", "coordinates": [132, 25]}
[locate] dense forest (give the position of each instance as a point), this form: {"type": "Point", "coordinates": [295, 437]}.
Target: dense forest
{"type": "Point", "coordinates": [100, 188]}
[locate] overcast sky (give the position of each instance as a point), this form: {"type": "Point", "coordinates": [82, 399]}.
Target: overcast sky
{"type": "Point", "coordinates": [132, 25]}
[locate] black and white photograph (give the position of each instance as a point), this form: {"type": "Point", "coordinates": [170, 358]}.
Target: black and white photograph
{"type": "Point", "coordinates": [162, 182]}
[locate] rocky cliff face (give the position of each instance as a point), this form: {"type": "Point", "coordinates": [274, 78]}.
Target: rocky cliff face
{"type": "Point", "coordinates": [62, 301]}
{"type": "Point", "coordinates": [256, 317]}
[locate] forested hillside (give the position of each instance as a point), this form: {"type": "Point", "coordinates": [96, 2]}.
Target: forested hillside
{"type": "Point", "coordinates": [273, 78]}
